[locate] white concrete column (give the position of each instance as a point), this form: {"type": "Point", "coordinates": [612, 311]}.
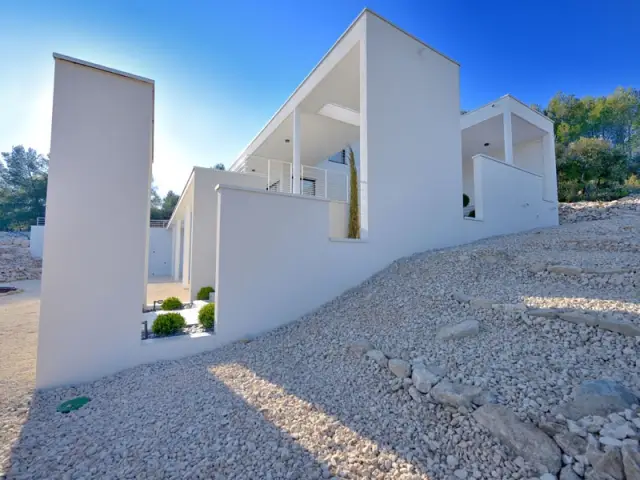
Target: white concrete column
{"type": "Point", "coordinates": [296, 151]}
{"type": "Point", "coordinates": [186, 251]}
{"type": "Point", "coordinates": [177, 247]}
{"type": "Point", "coordinates": [550, 185]}
{"type": "Point", "coordinates": [80, 340]}
{"type": "Point", "coordinates": [508, 135]}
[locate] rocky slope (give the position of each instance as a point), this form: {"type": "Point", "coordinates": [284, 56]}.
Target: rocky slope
{"type": "Point", "coordinates": [15, 259]}
{"type": "Point", "coordinates": [471, 362]}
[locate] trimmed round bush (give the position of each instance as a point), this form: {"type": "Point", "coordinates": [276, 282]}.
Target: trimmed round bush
{"type": "Point", "coordinates": [465, 200]}
{"type": "Point", "coordinates": [171, 303]}
{"type": "Point", "coordinates": [203, 293]}
{"type": "Point", "coordinates": [472, 214]}
{"type": "Point", "coordinates": [207, 316]}
{"type": "Point", "coordinates": [168, 324]}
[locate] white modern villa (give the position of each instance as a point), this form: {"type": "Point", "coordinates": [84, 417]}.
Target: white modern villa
{"type": "Point", "coordinates": [270, 234]}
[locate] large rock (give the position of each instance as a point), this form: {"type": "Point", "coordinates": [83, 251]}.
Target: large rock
{"type": "Point", "coordinates": [619, 326]}
{"type": "Point", "coordinates": [458, 330]}
{"type": "Point", "coordinates": [454, 394]}
{"type": "Point", "coordinates": [400, 368]}
{"type": "Point", "coordinates": [360, 347]}
{"type": "Point", "coordinates": [631, 462]}
{"type": "Point", "coordinates": [525, 439]}
{"type": "Point", "coordinates": [571, 444]}
{"type": "Point", "coordinates": [598, 397]}
{"type": "Point", "coordinates": [608, 465]}
{"type": "Point", "coordinates": [567, 473]}
{"type": "Point", "coordinates": [564, 269]}
{"type": "Point", "coordinates": [423, 378]}
{"type": "Point", "coordinates": [377, 356]}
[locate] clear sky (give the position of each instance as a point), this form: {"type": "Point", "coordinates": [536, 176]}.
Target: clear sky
{"type": "Point", "coordinates": [222, 68]}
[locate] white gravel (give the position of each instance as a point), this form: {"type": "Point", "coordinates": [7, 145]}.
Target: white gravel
{"type": "Point", "coordinates": [298, 403]}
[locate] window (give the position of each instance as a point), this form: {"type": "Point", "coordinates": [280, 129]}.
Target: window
{"type": "Point", "coordinates": [309, 186]}
{"type": "Point", "coordinates": [340, 157]}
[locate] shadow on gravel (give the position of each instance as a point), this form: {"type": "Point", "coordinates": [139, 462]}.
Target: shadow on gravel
{"type": "Point", "coordinates": [173, 420]}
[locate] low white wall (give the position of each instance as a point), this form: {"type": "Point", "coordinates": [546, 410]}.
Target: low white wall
{"type": "Point", "coordinates": [36, 240]}
{"type": "Point", "coordinates": [285, 273]}
{"type": "Point", "coordinates": [160, 253]}
{"type": "Point", "coordinates": [507, 200]}
{"type": "Point", "coordinates": [204, 222]}
{"type": "Point", "coordinates": [338, 219]}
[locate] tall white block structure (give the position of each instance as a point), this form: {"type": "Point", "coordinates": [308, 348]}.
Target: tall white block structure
{"type": "Point", "coordinates": [101, 155]}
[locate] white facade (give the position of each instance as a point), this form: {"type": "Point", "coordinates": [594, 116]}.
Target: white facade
{"type": "Point", "coordinates": [270, 236]}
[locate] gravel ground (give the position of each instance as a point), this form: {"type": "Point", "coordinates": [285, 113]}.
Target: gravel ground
{"type": "Point", "coordinates": [296, 404]}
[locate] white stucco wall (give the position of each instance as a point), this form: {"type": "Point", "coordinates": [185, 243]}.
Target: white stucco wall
{"type": "Point", "coordinates": [338, 219]}
{"type": "Point", "coordinates": [160, 245]}
{"type": "Point", "coordinates": [160, 252]}
{"type": "Point", "coordinates": [204, 228]}
{"type": "Point", "coordinates": [508, 200]}
{"type": "Point", "coordinates": [36, 240]}
{"type": "Point", "coordinates": [529, 156]}
{"type": "Point", "coordinates": [110, 116]}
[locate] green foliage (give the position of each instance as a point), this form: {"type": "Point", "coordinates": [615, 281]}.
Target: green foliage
{"type": "Point", "coordinates": [168, 324]}
{"type": "Point", "coordinates": [162, 208]}
{"type": "Point", "coordinates": [171, 303]}
{"type": "Point", "coordinates": [472, 214]}
{"type": "Point", "coordinates": [220, 166]}
{"type": "Point", "coordinates": [203, 293]}
{"type": "Point", "coordinates": [354, 208]}
{"type": "Point", "coordinates": [465, 200]}
{"type": "Point", "coordinates": [207, 315]}
{"type": "Point", "coordinates": [23, 188]}
{"type": "Point", "coordinates": [597, 143]}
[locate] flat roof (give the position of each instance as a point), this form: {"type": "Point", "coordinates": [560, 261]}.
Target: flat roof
{"type": "Point", "coordinates": [84, 63]}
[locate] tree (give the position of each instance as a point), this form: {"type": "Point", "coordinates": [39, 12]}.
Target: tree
{"type": "Point", "coordinates": [23, 187]}
{"type": "Point", "coordinates": [220, 166]}
{"type": "Point", "coordinates": [169, 203]}
{"type": "Point", "coordinates": [354, 208]}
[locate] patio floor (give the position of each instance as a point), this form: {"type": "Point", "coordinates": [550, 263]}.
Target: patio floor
{"type": "Point", "coordinates": [160, 288]}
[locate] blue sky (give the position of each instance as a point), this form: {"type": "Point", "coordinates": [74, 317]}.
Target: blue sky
{"type": "Point", "coordinates": [222, 68]}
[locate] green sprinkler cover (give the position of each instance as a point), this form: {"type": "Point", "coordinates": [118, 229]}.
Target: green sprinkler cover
{"type": "Point", "coordinates": [73, 404]}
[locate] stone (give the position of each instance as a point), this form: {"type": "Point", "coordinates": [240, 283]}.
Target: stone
{"type": "Point", "coordinates": [609, 465]}
{"type": "Point", "coordinates": [580, 318]}
{"type": "Point", "coordinates": [598, 397]}
{"type": "Point", "coordinates": [377, 356]}
{"type": "Point", "coordinates": [360, 347]}
{"type": "Point", "coordinates": [567, 473]}
{"type": "Point", "coordinates": [454, 394]}
{"type": "Point", "coordinates": [570, 443]}
{"type": "Point", "coordinates": [545, 312]}
{"type": "Point", "coordinates": [484, 397]}
{"type": "Point", "coordinates": [619, 326]}
{"type": "Point", "coordinates": [460, 473]}
{"type": "Point", "coordinates": [610, 441]}
{"type": "Point", "coordinates": [423, 378]}
{"type": "Point", "coordinates": [458, 330]}
{"type": "Point", "coordinates": [461, 297]}
{"type": "Point", "coordinates": [481, 303]}
{"type": "Point", "coordinates": [452, 461]}
{"type": "Point", "coordinates": [525, 439]}
{"type": "Point", "coordinates": [579, 468]}
{"type": "Point", "coordinates": [564, 270]}
{"type": "Point", "coordinates": [399, 368]}
{"type": "Point", "coordinates": [576, 428]}
{"type": "Point", "coordinates": [631, 462]}
{"type": "Point", "coordinates": [548, 476]}
{"type": "Point", "coordinates": [414, 394]}
{"type": "Point", "coordinates": [619, 431]}
{"type": "Point", "coordinates": [538, 267]}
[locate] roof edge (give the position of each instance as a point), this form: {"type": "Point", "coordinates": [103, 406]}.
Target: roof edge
{"type": "Point", "coordinates": [84, 63]}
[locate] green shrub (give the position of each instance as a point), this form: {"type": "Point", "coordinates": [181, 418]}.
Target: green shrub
{"type": "Point", "coordinates": [171, 303]}
{"type": "Point", "coordinates": [203, 293]}
{"type": "Point", "coordinates": [465, 200]}
{"type": "Point", "coordinates": [207, 315]}
{"type": "Point", "coordinates": [168, 324]}
{"type": "Point", "coordinates": [472, 214]}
